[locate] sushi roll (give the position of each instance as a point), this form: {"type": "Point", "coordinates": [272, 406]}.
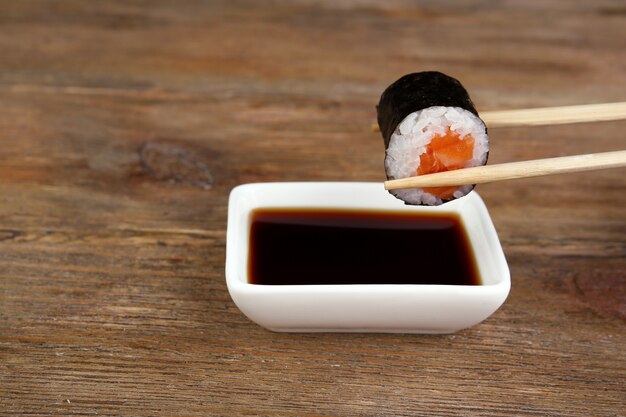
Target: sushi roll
{"type": "Point", "coordinates": [429, 124]}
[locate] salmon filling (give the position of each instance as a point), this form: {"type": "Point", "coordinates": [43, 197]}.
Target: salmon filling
{"type": "Point", "coordinates": [445, 153]}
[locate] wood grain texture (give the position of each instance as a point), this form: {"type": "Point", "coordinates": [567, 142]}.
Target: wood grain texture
{"type": "Point", "coordinates": [124, 125]}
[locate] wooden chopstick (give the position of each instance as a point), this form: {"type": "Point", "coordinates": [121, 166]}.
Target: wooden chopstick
{"type": "Point", "coordinates": [513, 170]}
{"type": "Point", "coordinates": [551, 115]}
{"type": "Point", "coordinates": [555, 115]}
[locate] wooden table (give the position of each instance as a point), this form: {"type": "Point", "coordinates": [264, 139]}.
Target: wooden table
{"type": "Point", "coordinates": [124, 125]}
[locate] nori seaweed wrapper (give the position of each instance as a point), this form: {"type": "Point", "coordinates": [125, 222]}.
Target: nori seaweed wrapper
{"type": "Point", "coordinates": [415, 92]}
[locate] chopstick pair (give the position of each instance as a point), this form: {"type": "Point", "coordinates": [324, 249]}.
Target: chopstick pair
{"type": "Point", "coordinates": [531, 168]}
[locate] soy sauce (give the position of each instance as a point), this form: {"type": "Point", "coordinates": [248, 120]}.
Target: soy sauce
{"type": "Point", "coordinates": [304, 246]}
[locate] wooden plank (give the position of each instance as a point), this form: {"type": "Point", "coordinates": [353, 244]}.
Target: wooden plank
{"type": "Point", "coordinates": [123, 128]}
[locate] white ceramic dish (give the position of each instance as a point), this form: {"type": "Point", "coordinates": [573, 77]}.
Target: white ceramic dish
{"type": "Point", "coordinates": [387, 308]}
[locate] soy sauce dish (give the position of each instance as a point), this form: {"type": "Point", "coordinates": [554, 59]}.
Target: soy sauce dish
{"type": "Point", "coordinates": [349, 257]}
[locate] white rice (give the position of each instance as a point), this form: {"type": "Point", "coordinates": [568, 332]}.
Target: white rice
{"type": "Point", "coordinates": [415, 132]}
